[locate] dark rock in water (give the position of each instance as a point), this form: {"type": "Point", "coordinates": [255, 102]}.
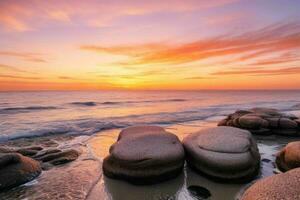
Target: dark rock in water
{"type": "Point", "coordinates": [261, 131]}
{"type": "Point", "coordinates": [289, 157]}
{"type": "Point", "coordinates": [250, 122]}
{"type": "Point", "coordinates": [286, 132]}
{"type": "Point", "coordinates": [283, 186]}
{"type": "Point", "coordinates": [265, 160]}
{"type": "Point", "coordinates": [58, 158]}
{"type": "Point", "coordinates": [45, 152]}
{"type": "Point", "coordinates": [144, 155]}
{"type": "Point", "coordinates": [16, 170]}
{"type": "Point", "coordinates": [29, 151]}
{"type": "Point", "coordinates": [199, 192]}
{"type": "Point", "coordinates": [285, 123]}
{"type": "Point", "coordinates": [264, 121]}
{"type": "Point", "coordinates": [222, 122]}
{"type": "Point", "coordinates": [223, 153]}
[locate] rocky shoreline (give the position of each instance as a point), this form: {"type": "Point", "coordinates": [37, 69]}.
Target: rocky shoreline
{"type": "Point", "coordinates": [227, 155]}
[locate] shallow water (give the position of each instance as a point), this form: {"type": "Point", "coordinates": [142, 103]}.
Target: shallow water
{"type": "Point", "coordinates": [87, 121]}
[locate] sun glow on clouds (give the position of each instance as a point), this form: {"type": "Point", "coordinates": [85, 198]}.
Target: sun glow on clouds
{"type": "Point", "coordinates": [224, 44]}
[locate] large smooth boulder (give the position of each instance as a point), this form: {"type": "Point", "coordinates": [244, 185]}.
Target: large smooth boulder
{"type": "Point", "coordinates": [223, 153]}
{"type": "Point", "coordinates": [16, 169]}
{"type": "Point", "coordinates": [277, 187]}
{"type": "Point", "coordinates": [289, 157]}
{"type": "Point", "coordinates": [144, 155]}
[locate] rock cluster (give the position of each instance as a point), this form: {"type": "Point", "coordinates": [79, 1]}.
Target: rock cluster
{"type": "Point", "coordinates": [16, 169]}
{"type": "Point", "coordinates": [48, 156]}
{"type": "Point", "coordinates": [277, 187]}
{"type": "Point", "coordinates": [144, 155]}
{"type": "Point", "coordinates": [20, 165]}
{"type": "Point", "coordinates": [264, 121]}
{"type": "Point", "coordinates": [223, 153]}
{"type": "Point", "coordinates": [289, 157]}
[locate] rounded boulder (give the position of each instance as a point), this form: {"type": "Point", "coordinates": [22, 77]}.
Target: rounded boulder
{"type": "Point", "coordinates": [144, 155]}
{"type": "Point", "coordinates": [289, 157]}
{"type": "Point", "coordinates": [283, 186]}
{"type": "Point", "coordinates": [16, 170]}
{"type": "Point", "coordinates": [223, 153]}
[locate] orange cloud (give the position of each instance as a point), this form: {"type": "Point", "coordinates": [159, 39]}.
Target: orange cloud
{"type": "Point", "coordinates": [33, 57]}
{"type": "Point", "coordinates": [265, 72]}
{"type": "Point", "coordinates": [262, 42]}
{"type": "Point", "coordinates": [18, 77]}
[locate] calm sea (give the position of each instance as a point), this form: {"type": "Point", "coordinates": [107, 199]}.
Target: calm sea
{"type": "Point", "coordinates": [25, 114]}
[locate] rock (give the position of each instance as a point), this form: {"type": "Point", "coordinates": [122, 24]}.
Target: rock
{"type": "Point", "coordinates": [144, 155]}
{"type": "Point", "coordinates": [229, 123]}
{"type": "Point", "coordinates": [283, 186]}
{"type": "Point", "coordinates": [16, 169]}
{"type": "Point", "coordinates": [199, 192]}
{"type": "Point", "coordinates": [223, 122]}
{"type": "Point", "coordinates": [236, 122]}
{"type": "Point", "coordinates": [223, 153]}
{"type": "Point", "coordinates": [58, 158]}
{"type": "Point", "coordinates": [289, 157]}
{"type": "Point", "coordinates": [261, 131]}
{"type": "Point", "coordinates": [285, 123]}
{"type": "Point", "coordinates": [264, 121]}
{"type": "Point", "coordinates": [289, 115]}
{"type": "Point", "coordinates": [239, 113]}
{"type": "Point", "coordinates": [265, 160]}
{"type": "Point", "coordinates": [29, 151]}
{"type": "Point", "coordinates": [5, 149]}
{"type": "Point", "coordinates": [268, 111]}
{"type": "Point", "coordinates": [45, 152]}
{"type": "Point", "coordinates": [286, 132]}
{"type": "Point", "coordinates": [273, 122]}
{"type": "Point", "coordinates": [251, 122]}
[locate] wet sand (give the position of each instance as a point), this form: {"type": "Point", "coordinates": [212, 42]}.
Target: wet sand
{"type": "Point", "coordinates": [83, 178]}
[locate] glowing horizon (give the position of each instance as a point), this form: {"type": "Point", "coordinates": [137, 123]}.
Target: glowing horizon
{"type": "Point", "coordinates": [149, 45]}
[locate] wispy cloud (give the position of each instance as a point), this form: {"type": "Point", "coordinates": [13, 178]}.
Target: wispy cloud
{"type": "Point", "coordinates": [264, 72]}
{"type": "Point", "coordinates": [200, 78]}
{"type": "Point", "coordinates": [18, 77]}
{"type": "Point", "coordinates": [21, 16]}
{"type": "Point", "coordinates": [10, 68]}
{"type": "Point", "coordinates": [32, 57]}
{"type": "Point", "coordinates": [265, 41]}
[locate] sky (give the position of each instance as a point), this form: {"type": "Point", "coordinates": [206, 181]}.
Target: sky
{"type": "Point", "coordinates": [149, 44]}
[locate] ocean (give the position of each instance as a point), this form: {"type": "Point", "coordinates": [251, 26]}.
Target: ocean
{"type": "Point", "coordinates": [28, 114]}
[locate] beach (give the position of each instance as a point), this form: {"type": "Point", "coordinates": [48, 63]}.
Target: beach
{"type": "Point", "coordinates": [91, 128]}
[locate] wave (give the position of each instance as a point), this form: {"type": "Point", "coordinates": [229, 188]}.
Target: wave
{"type": "Point", "coordinates": [12, 110]}
{"type": "Point", "coordinates": [92, 125]}
{"type": "Point", "coordinates": [147, 101]}
{"type": "Point", "coordinates": [87, 103]}
{"type": "Point", "coordinates": [92, 103]}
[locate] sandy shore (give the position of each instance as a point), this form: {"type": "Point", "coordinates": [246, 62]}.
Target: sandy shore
{"type": "Point", "coordinates": [83, 178]}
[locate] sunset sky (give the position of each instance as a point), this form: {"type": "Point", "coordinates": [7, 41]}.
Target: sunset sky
{"type": "Point", "coordinates": [144, 44]}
